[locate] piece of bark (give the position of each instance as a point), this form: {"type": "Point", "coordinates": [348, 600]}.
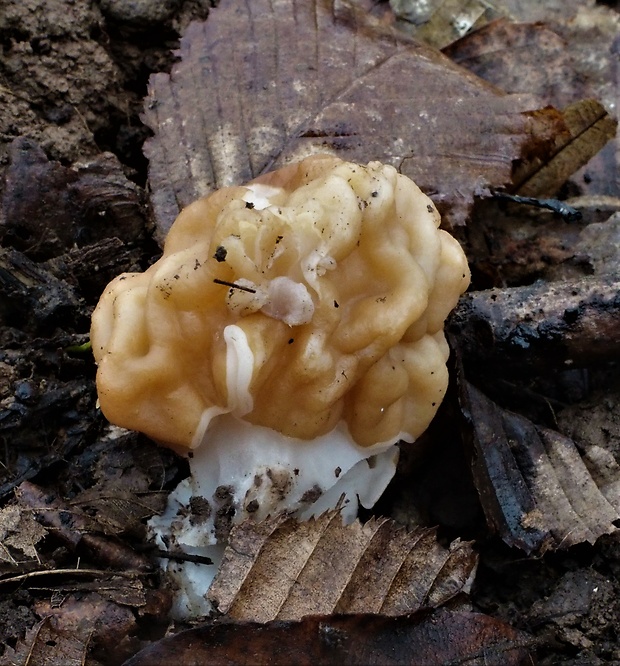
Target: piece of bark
{"type": "Point", "coordinates": [535, 490]}
{"type": "Point", "coordinates": [521, 330]}
{"type": "Point", "coordinates": [48, 208]}
{"type": "Point", "coordinates": [429, 638]}
{"type": "Point", "coordinates": [33, 299]}
{"type": "Point", "coordinates": [93, 266]}
{"type": "Point", "coordinates": [245, 98]}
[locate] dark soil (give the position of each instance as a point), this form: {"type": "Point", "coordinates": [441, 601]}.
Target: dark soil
{"type": "Point", "coordinates": [75, 213]}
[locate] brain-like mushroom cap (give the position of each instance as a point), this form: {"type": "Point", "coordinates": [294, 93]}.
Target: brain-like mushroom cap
{"type": "Point", "coordinates": [342, 281]}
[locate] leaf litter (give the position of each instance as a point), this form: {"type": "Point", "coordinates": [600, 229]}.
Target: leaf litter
{"type": "Point", "coordinates": [536, 490]}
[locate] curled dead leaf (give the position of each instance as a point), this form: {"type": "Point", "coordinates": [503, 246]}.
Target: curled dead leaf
{"type": "Point", "coordinates": [535, 489]}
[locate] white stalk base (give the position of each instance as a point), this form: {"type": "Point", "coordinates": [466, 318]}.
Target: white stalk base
{"type": "Point", "coordinates": [244, 471]}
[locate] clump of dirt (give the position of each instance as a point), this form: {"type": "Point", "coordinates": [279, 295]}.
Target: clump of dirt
{"type": "Point", "coordinates": [73, 74]}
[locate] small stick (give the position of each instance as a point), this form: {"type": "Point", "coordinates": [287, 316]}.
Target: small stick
{"type": "Point", "coordinates": [569, 213]}
{"type": "Point", "coordinates": [234, 286]}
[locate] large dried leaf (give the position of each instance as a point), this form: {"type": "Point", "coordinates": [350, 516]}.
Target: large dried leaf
{"type": "Point", "coordinates": [578, 53]}
{"type": "Point", "coordinates": [285, 570]}
{"type": "Point", "coordinates": [429, 638]}
{"type": "Point", "coordinates": [502, 51]}
{"type": "Point", "coordinates": [535, 489]}
{"type": "Point", "coordinates": [261, 84]}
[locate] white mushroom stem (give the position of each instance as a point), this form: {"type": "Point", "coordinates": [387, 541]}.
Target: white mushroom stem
{"type": "Point", "coordinates": [245, 471]}
{"type": "Point", "coordinates": [240, 471]}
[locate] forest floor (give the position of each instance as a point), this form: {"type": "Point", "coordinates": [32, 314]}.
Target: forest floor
{"type": "Point", "coordinates": [76, 211]}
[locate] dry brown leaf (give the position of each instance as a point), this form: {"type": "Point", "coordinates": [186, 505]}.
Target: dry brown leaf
{"type": "Point", "coordinates": [432, 638]}
{"type": "Point", "coordinates": [502, 51]}
{"type": "Point", "coordinates": [590, 127]}
{"type": "Point", "coordinates": [285, 570]}
{"type": "Point", "coordinates": [44, 645]}
{"type": "Point", "coordinates": [246, 97]}
{"type": "Point", "coordinates": [535, 489]}
{"type": "Point", "coordinates": [19, 533]}
{"type": "Point", "coordinates": [73, 629]}
{"type": "Point", "coordinates": [578, 52]}
{"type": "Point", "coordinates": [98, 623]}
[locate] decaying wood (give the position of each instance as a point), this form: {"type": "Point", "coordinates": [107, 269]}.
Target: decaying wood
{"type": "Point", "coordinates": [542, 326]}
{"type": "Point", "coordinates": [93, 266]}
{"type": "Point", "coordinates": [47, 207]}
{"type": "Point", "coordinates": [76, 530]}
{"type": "Point", "coordinates": [32, 297]}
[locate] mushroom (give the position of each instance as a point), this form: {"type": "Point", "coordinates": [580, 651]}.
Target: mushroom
{"type": "Point", "coordinates": [290, 335]}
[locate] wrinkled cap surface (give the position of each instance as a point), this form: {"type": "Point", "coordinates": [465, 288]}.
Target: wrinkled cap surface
{"type": "Point", "coordinates": [315, 294]}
